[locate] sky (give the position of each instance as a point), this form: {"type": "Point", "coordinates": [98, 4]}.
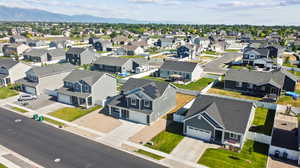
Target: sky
{"type": "Point", "coordinates": [255, 12]}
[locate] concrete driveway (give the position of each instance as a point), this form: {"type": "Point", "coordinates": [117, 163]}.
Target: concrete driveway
{"type": "Point", "coordinates": [40, 102]}
{"type": "Point", "coordinates": [191, 149]}
{"type": "Point", "coordinates": [99, 122]}
{"type": "Point", "coordinates": [117, 136]}
{"type": "Point", "coordinates": [275, 163]}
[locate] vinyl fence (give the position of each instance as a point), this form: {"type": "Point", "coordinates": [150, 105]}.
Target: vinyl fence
{"type": "Point", "coordinates": [259, 137]}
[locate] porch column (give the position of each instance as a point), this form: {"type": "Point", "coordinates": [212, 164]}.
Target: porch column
{"type": "Point", "coordinates": [223, 134]}
{"type": "Point", "coordinates": [109, 110]}
{"type": "Point", "coordinates": [86, 103]}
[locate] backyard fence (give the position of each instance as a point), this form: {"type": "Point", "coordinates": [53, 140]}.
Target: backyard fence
{"type": "Point", "coordinates": [259, 137]}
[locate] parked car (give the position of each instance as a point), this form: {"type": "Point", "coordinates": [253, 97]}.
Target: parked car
{"type": "Point", "coordinates": [27, 97]}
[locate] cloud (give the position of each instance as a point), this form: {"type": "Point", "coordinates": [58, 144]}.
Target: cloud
{"type": "Point", "coordinates": [247, 4]}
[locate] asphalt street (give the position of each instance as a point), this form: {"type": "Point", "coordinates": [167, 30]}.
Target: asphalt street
{"type": "Point", "coordinates": [44, 144]}
{"type": "Point", "coordinates": [217, 66]}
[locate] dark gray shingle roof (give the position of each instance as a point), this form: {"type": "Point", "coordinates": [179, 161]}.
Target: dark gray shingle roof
{"type": "Point", "coordinates": [231, 114]}
{"type": "Point", "coordinates": [7, 63]}
{"type": "Point", "coordinates": [112, 61]}
{"type": "Point", "coordinates": [90, 77]}
{"type": "Point", "coordinates": [179, 66]}
{"type": "Point", "coordinates": [76, 50]}
{"type": "Point", "coordinates": [52, 69]}
{"type": "Point", "coordinates": [36, 52]}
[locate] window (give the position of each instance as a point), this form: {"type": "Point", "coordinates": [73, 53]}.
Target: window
{"type": "Point", "coordinates": [133, 101]}
{"type": "Point", "coordinates": [263, 88]}
{"type": "Point", "coordinates": [146, 103]}
{"type": "Point", "coordinates": [250, 86]}
{"type": "Point", "coordinates": [233, 136]}
{"type": "Point", "coordinates": [239, 84]}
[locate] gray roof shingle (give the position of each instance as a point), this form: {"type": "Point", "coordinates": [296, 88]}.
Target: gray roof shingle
{"type": "Point", "coordinates": [90, 77]}
{"type": "Point", "coordinates": [36, 52]}
{"type": "Point", "coordinates": [7, 63]}
{"type": "Point", "coordinates": [179, 66]}
{"type": "Point", "coordinates": [231, 114]}
{"type": "Point", "coordinates": [112, 61]}
{"type": "Point", "coordinates": [52, 69]}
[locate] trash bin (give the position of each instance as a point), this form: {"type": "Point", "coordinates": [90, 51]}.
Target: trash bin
{"type": "Point", "coordinates": [35, 117]}
{"type": "Point", "coordinates": [41, 118]}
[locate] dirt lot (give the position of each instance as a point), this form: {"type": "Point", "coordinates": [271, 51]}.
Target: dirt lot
{"type": "Point", "coordinates": [292, 57]}
{"type": "Point", "coordinates": [181, 100]}
{"type": "Point", "coordinates": [99, 122]}
{"type": "Point", "coordinates": [272, 163]}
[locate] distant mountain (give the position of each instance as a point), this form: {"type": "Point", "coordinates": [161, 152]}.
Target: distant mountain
{"type": "Point", "coordinates": [22, 14]}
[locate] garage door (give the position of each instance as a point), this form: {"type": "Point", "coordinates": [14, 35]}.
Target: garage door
{"type": "Point", "coordinates": [64, 99]}
{"type": "Point", "coordinates": [198, 133]}
{"type": "Point", "coordinates": [30, 90]}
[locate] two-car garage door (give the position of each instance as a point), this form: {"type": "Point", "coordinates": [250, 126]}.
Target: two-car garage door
{"type": "Point", "coordinates": [64, 99]}
{"type": "Point", "coordinates": [198, 133]}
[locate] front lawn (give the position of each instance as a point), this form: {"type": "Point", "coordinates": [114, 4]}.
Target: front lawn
{"type": "Point", "coordinates": [253, 155]}
{"type": "Point", "coordinates": [167, 140]}
{"type": "Point", "coordinates": [152, 155]}
{"type": "Point", "coordinates": [295, 73]}
{"type": "Point", "coordinates": [263, 121]}
{"type": "Point", "coordinates": [6, 92]}
{"type": "Point", "coordinates": [155, 78]}
{"type": "Point", "coordinates": [210, 52]}
{"type": "Point", "coordinates": [2, 166]}
{"type": "Point", "coordinates": [197, 85]}
{"type": "Point", "coordinates": [71, 114]}
{"type": "Point", "coordinates": [232, 50]}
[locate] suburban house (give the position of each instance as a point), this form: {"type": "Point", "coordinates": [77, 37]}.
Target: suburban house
{"type": "Point", "coordinates": [285, 142]}
{"type": "Point", "coordinates": [165, 42]}
{"type": "Point", "coordinates": [87, 88]}
{"type": "Point", "coordinates": [40, 79]}
{"type": "Point", "coordinates": [44, 55]}
{"type": "Point", "coordinates": [203, 43]}
{"type": "Point", "coordinates": [80, 56]}
{"type": "Point", "coordinates": [133, 50]}
{"type": "Point", "coordinates": [220, 120]}
{"type": "Point", "coordinates": [119, 65]}
{"type": "Point", "coordinates": [142, 101]}
{"type": "Point", "coordinates": [60, 44]}
{"type": "Point", "coordinates": [218, 46]}
{"type": "Point", "coordinates": [14, 49]}
{"type": "Point", "coordinates": [260, 83]}
{"type": "Point", "coordinates": [18, 39]}
{"type": "Point", "coordinates": [1, 50]}
{"type": "Point", "coordinates": [186, 51]}
{"type": "Point", "coordinates": [257, 57]}
{"type": "Point", "coordinates": [11, 71]}
{"type": "Point", "coordinates": [120, 40]}
{"type": "Point", "coordinates": [101, 45]}
{"type": "Point", "coordinates": [182, 71]}
{"type": "Point", "coordinates": [37, 43]}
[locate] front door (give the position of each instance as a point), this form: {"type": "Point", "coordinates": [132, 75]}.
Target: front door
{"type": "Point", "coordinates": [218, 136]}
{"type": "Point", "coordinates": [125, 114]}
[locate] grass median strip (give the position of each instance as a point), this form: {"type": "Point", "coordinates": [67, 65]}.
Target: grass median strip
{"type": "Point", "coordinates": [253, 154]}
{"type": "Point", "coordinates": [152, 155]}
{"type": "Point", "coordinates": [6, 92]}
{"type": "Point", "coordinates": [19, 109]}
{"type": "Point", "coordinates": [53, 121]}
{"type": "Point", "coordinates": [71, 114]}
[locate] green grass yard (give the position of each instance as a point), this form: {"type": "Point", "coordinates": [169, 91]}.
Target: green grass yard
{"type": "Point", "coordinates": [71, 114]}
{"type": "Point", "coordinates": [2, 166]}
{"type": "Point", "coordinates": [19, 109]}
{"type": "Point", "coordinates": [253, 155]}
{"type": "Point", "coordinates": [149, 154]}
{"type": "Point", "coordinates": [232, 50]}
{"type": "Point", "coordinates": [6, 92]}
{"type": "Point", "coordinates": [53, 122]}
{"type": "Point", "coordinates": [263, 121]}
{"type": "Point", "coordinates": [197, 85]}
{"type": "Point", "coordinates": [134, 56]}
{"type": "Point", "coordinates": [295, 73]}
{"type": "Point", "coordinates": [155, 78]}
{"type": "Point", "coordinates": [165, 141]}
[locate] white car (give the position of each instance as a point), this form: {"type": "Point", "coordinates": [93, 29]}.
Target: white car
{"type": "Point", "coordinates": [27, 97]}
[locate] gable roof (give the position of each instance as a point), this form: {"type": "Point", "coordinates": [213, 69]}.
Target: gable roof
{"type": "Point", "coordinates": [154, 89]}
{"type": "Point", "coordinates": [232, 115]}
{"type": "Point", "coordinates": [275, 77]}
{"type": "Point", "coordinates": [7, 63]}
{"type": "Point", "coordinates": [36, 52]}
{"type": "Point", "coordinates": [75, 50]}
{"type": "Point", "coordinates": [52, 69]}
{"type": "Point", "coordinates": [90, 77]}
{"type": "Point", "coordinates": [112, 61]}
{"type": "Point", "coordinates": [179, 66]}
{"type": "Point", "coordinates": [59, 52]}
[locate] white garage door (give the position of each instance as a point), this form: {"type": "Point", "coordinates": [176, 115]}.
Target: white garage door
{"type": "Point", "coordinates": [198, 133]}
{"type": "Point", "coordinates": [30, 90]}
{"type": "Point", "coordinates": [64, 98]}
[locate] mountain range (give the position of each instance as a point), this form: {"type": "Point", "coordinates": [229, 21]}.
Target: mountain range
{"type": "Point", "coordinates": [22, 14]}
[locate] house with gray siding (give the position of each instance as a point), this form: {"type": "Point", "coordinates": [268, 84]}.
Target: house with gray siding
{"type": "Point", "coordinates": [260, 83]}
{"type": "Point", "coordinates": [220, 120]}
{"type": "Point", "coordinates": [80, 56]}
{"type": "Point", "coordinates": [179, 70]}
{"type": "Point", "coordinates": [118, 65]}
{"type": "Point", "coordinates": [36, 55]}
{"type": "Point", "coordinates": [142, 101]}
{"type": "Point", "coordinates": [40, 79]}
{"type": "Point", "coordinates": [87, 88]}
{"type": "Point", "coordinates": [11, 71]}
